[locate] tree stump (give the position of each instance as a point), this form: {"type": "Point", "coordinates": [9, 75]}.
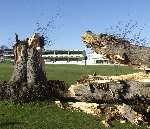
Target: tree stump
{"type": "Point", "coordinates": [28, 81]}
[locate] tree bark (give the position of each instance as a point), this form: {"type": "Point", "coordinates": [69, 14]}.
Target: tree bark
{"type": "Point", "coordinates": [20, 67]}
{"type": "Point", "coordinates": [113, 91]}
{"type": "Point", "coordinates": [35, 71]}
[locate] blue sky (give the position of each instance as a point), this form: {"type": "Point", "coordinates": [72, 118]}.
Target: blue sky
{"type": "Point", "coordinates": [71, 18]}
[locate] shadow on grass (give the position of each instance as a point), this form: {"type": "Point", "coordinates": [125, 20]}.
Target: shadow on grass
{"type": "Point", "coordinates": [12, 123]}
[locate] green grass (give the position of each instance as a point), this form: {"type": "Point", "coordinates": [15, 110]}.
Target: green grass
{"type": "Point", "coordinates": [70, 73]}
{"type": "Point", "coordinates": [45, 115]}
{"type": "Point", "coordinates": [5, 71]}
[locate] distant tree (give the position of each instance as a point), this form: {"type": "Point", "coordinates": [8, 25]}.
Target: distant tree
{"type": "Point", "coordinates": [2, 47]}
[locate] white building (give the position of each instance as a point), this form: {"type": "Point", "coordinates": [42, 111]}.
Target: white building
{"type": "Point", "coordinates": [94, 58]}
{"type": "Point", "coordinates": [73, 57]}
{"type": "Point", "coordinates": [6, 55]}
{"type": "Point", "coordinates": [63, 56]}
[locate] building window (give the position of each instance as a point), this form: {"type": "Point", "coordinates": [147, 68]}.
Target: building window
{"type": "Point", "coordinates": [99, 62]}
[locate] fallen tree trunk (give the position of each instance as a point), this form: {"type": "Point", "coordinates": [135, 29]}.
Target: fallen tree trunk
{"type": "Point", "coordinates": [110, 90]}
{"type": "Point", "coordinates": [118, 50]}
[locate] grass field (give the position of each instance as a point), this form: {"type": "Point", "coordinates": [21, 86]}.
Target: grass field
{"type": "Point", "coordinates": [70, 73]}
{"type": "Point", "coordinates": [45, 115]}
